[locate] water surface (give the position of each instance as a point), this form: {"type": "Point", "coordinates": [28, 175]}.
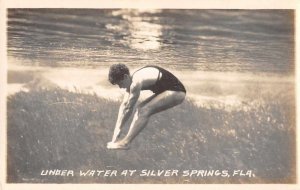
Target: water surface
{"type": "Point", "coordinates": [206, 40]}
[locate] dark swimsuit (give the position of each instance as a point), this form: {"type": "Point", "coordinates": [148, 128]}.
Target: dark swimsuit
{"type": "Point", "coordinates": [167, 81]}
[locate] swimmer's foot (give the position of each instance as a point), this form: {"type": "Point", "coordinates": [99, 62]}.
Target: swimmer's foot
{"type": "Point", "coordinates": [117, 145]}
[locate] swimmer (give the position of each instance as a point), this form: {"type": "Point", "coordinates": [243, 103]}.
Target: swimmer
{"type": "Point", "coordinates": [167, 90]}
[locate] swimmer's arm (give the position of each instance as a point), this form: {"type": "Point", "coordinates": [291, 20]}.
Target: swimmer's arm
{"type": "Point", "coordinates": [126, 108]}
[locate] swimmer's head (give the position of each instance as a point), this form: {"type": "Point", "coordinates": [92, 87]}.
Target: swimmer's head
{"type": "Point", "coordinates": [117, 72]}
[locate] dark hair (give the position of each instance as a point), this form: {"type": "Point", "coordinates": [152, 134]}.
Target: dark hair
{"type": "Point", "coordinates": [117, 72]}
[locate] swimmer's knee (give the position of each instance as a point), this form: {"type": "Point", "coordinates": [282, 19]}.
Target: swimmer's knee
{"type": "Point", "coordinates": [180, 96]}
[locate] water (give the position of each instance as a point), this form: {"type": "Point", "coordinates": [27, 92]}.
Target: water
{"type": "Point", "coordinates": [221, 56]}
{"type": "Point", "coordinates": [204, 40]}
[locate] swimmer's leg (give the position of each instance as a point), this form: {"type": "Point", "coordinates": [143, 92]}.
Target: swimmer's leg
{"type": "Point", "coordinates": [158, 103]}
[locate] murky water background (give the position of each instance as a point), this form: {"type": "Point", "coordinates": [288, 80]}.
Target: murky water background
{"type": "Point", "coordinates": [205, 48]}
{"type": "Point", "coordinates": [206, 40]}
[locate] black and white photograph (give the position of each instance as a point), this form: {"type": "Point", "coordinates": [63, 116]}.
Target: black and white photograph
{"type": "Point", "coordinates": [150, 96]}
